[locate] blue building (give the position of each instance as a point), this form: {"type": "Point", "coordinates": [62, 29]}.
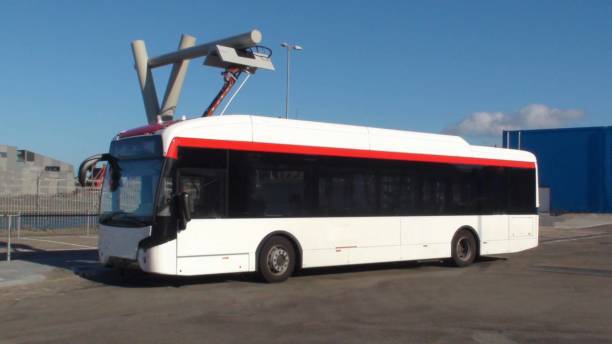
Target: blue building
{"type": "Point", "coordinates": [575, 166]}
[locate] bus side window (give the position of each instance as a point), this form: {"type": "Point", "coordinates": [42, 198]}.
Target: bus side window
{"type": "Point", "coordinates": [206, 189]}
{"type": "Point", "coordinates": [276, 192]}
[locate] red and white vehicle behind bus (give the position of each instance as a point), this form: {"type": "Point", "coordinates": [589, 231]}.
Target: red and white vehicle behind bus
{"type": "Point", "coordinates": [245, 193]}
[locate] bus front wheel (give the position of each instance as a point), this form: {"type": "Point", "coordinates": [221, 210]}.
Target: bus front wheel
{"type": "Point", "coordinates": [464, 248]}
{"type": "Point", "coordinates": [276, 260]}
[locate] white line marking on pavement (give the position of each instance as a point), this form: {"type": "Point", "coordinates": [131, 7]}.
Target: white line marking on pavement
{"type": "Point", "coordinates": [66, 249]}
{"type": "Point", "coordinates": [58, 242]}
{"type": "Point", "coordinates": [65, 236]}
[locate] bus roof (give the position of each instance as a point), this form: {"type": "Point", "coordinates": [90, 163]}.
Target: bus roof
{"type": "Point", "coordinates": [247, 132]}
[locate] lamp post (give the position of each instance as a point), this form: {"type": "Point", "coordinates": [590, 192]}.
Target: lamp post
{"type": "Point", "coordinates": [289, 47]}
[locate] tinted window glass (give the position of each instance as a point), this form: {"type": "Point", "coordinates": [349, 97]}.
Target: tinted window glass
{"type": "Point", "coordinates": [265, 185]}
{"type": "Point", "coordinates": [206, 189]}
{"type": "Point", "coordinates": [521, 190]}
{"type": "Point", "coordinates": [202, 173]}
{"type": "Point", "coordinates": [284, 185]}
{"type": "Point", "coordinates": [137, 147]}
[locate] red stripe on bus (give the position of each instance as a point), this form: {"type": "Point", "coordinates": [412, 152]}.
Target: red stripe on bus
{"type": "Point", "coordinates": [339, 152]}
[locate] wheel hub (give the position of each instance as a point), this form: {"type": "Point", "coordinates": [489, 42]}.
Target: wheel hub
{"type": "Point", "coordinates": [278, 260]}
{"type": "Point", "coordinates": [464, 249]}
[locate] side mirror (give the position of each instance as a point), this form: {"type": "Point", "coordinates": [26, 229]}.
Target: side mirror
{"type": "Point", "coordinates": [85, 166]}
{"type": "Point", "coordinates": [90, 162]}
{"type": "Point", "coordinates": [184, 205]}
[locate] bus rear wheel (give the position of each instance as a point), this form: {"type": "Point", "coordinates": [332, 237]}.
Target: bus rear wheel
{"type": "Point", "coordinates": [464, 248]}
{"type": "Point", "coordinates": [276, 260]}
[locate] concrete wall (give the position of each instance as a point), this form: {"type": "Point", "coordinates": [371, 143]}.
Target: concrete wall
{"type": "Point", "coordinates": [20, 176]}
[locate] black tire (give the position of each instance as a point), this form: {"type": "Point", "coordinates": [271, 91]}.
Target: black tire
{"type": "Point", "coordinates": [464, 248]}
{"type": "Point", "coordinates": [276, 260]}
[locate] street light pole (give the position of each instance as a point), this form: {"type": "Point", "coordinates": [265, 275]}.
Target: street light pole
{"type": "Point", "coordinates": [289, 47]}
{"type": "Point", "coordinates": [287, 83]}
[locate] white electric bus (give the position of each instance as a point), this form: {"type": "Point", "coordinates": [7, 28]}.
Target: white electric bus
{"type": "Point", "coordinates": [243, 193]}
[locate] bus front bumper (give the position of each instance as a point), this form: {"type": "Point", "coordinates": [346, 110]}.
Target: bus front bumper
{"type": "Point", "coordinates": [120, 243]}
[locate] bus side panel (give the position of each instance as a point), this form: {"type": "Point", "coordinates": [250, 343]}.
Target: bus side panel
{"type": "Point", "coordinates": [209, 246]}
{"type": "Point", "coordinates": [374, 239]}
{"type": "Point", "coordinates": [203, 245]}
{"type": "Point", "coordinates": [494, 234]}
{"type": "Point", "coordinates": [508, 233]}
{"type": "Point", "coordinates": [324, 241]}
{"type": "Point", "coordinates": [213, 264]}
{"type": "Point", "coordinates": [425, 237]}
{"type": "Point", "coordinates": [364, 255]}
{"type": "Point", "coordinates": [524, 232]}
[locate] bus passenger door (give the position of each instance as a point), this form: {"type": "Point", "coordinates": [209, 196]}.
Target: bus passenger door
{"type": "Point", "coordinates": [206, 189]}
{"type": "Point", "coordinates": [207, 194]}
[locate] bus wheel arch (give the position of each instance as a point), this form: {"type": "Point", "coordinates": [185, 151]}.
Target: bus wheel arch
{"type": "Point", "coordinates": [292, 239]}
{"type": "Point", "coordinates": [465, 234]}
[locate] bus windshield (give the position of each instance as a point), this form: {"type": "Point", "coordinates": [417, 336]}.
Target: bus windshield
{"type": "Point", "coordinates": [131, 202]}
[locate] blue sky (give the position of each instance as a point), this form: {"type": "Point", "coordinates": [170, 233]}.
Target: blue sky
{"type": "Point", "coordinates": [67, 83]}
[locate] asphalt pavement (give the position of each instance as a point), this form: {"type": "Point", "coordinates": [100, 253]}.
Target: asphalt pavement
{"type": "Point", "coordinates": [560, 292]}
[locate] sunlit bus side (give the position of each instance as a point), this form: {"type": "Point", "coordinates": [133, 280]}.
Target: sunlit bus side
{"type": "Point", "coordinates": [245, 193]}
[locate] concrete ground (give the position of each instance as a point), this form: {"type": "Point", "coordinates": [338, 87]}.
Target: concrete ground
{"type": "Point", "coordinates": [558, 292]}
{"type": "Point", "coordinates": [570, 221]}
{"type": "Point", "coordinates": [35, 257]}
{"type": "Point", "coordinates": [49, 243]}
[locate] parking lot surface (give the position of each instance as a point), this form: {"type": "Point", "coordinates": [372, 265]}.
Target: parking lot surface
{"type": "Point", "coordinates": [558, 292]}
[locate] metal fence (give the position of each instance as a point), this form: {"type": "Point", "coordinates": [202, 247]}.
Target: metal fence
{"type": "Point", "coordinates": [80, 201]}
{"type": "Point", "coordinates": [62, 212]}
{"type": "Point", "coordinates": [8, 224]}
{"type": "Point", "coordinates": [73, 213]}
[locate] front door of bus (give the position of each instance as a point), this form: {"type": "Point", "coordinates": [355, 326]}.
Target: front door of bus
{"type": "Point", "coordinates": [206, 188]}
{"type": "Point", "coordinates": [206, 245]}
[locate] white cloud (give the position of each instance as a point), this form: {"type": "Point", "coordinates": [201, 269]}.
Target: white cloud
{"type": "Point", "coordinates": [533, 116]}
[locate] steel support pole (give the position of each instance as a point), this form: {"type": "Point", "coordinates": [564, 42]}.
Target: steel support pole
{"type": "Point", "coordinates": [175, 82]}
{"type": "Point", "coordinates": [8, 241]}
{"type": "Point", "coordinates": [145, 78]}
{"type": "Point", "coordinates": [19, 225]}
